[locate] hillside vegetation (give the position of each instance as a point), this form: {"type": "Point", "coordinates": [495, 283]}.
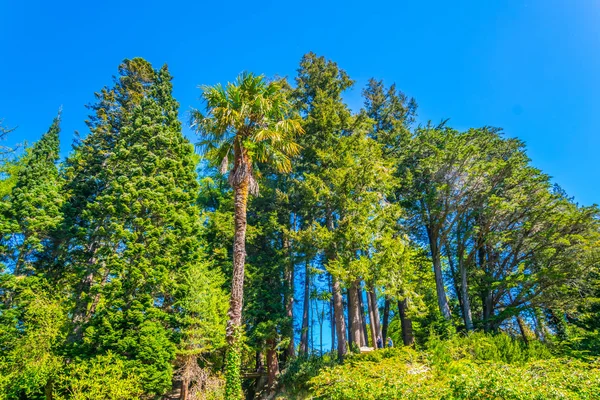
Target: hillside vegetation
{"type": "Point", "coordinates": [255, 258]}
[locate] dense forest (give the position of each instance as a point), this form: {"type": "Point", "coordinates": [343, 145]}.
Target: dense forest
{"type": "Point", "coordinates": [293, 248]}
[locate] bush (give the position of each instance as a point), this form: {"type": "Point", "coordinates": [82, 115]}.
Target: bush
{"type": "Point", "coordinates": [537, 380]}
{"type": "Point", "coordinates": [103, 377]}
{"type": "Point", "coordinates": [484, 347]}
{"type": "Point", "coordinates": [477, 366]}
{"type": "Point", "coordinates": [301, 370]}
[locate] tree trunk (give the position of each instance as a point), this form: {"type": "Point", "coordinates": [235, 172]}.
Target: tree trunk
{"type": "Point", "coordinates": [364, 337]}
{"type": "Point", "coordinates": [332, 315]}
{"type": "Point", "coordinates": [81, 302]}
{"type": "Point", "coordinates": [185, 389]}
{"type": "Point", "coordinates": [272, 364]}
{"type": "Point", "coordinates": [354, 313]}
{"type": "Point", "coordinates": [406, 323]}
{"type": "Point", "coordinates": [439, 278]}
{"type": "Point", "coordinates": [340, 322]}
{"type": "Point", "coordinates": [386, 321]}
{"type": "Point", "coordinates": [455, 277]}
{"type": "Point", "coordinates": [48, 390]}
{"type": "Point", "coordinates": [289, 298]}
{"type": "Point", "coordinates": [373, 325]}
{"type": "Point", "coordinates": [540, 328]}
{"type": "Point", "coordinates": [338, 302]}
{"type": "Point", "coordinates": [321, 329]}
{"type": "Point", "coordinates": [350, 330]}
{"type": "Point", "coordinates": [260, 362]}
{"type": "Point", "coordinates": [486, 292]}
{"type": "Point", "coordinates": [464, 288]}
{"type": "Point", "coordinates": [304, 332]}
{"type": "Point", "coordinates": [239, 258]}
{"type": "Point", "coordinates": [233, 331]}
{"type": "Point", "coordinates": [373, 295]}
{"type": "Point", "coordinates": [522, 329]}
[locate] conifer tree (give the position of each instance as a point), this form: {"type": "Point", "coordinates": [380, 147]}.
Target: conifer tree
{"type": "Point", "coordinates": [139, 226]}
{"type": "Point", "coordinates": [35, 203]}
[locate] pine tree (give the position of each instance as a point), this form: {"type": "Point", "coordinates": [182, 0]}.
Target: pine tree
{"type": "Point", "coordinates": [35, 203]}
{"type": "Point", "coordinates": [139, 226]}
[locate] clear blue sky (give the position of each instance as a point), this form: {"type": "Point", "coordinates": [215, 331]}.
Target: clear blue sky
{"type": "Point", "coordinates": [529, 66]}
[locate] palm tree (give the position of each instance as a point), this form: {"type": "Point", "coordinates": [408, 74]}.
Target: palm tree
{"type": "Point", "coordinates": [246, 122]}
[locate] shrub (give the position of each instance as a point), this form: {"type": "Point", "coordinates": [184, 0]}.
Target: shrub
{"type": "Point", "coordinates": [103, 377]}
{"type": "Point", "coordinates": [474, 367]}
{"type": "Point", "coordinates": [301, 370]}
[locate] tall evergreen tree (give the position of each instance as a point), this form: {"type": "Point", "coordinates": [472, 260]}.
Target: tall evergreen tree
{"type": "Point", "coordinates": [137, 234]}
{"type": "Point", "coordinates": [35, 203]}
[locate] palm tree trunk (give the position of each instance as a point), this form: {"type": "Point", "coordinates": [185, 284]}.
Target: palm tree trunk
{"type": "Point", "coordinates": [239, 258]}
{"type": "Point", "coordinates": [233, 387]}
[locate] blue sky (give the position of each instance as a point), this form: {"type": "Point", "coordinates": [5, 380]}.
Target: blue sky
{"type": "Point", "coordinates": [530, 67]}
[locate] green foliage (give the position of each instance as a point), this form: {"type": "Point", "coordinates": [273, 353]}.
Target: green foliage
{"type": "Point", "coordinates": [479, 346]}
{"type": "Point", "coordinates": [103, 377]}
{"type": "Point", "coordinates": [295, 379]}
{"type": "Point", "coordinates": [116, 264]}
{"type": "Point", "coordinates": [34, 203]}
{"type": "Point", "coordinates": [233, 364]}
{"type": "Point", "coordinates": [31, 330]}
{"type": "Point", "coordinates": [477, 367]}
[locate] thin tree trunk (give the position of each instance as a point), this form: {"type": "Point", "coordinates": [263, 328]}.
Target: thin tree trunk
{"type": "Point", "coordinates": [260, 362]}
{"type": "Point", "coordinates": [81, 302]}
{"type": "Point", "coordinates": [540, 329]}
{"type": "Point", "coordinates": [406, 323]}
{"type": "Point", "coordinates": [272, 364]}
{"type": "Point", "coordinates": [486, 293]}
{"type": "Point", "coordinates": [373, 295]}
{"type": "Point", "coordinates": [439, 278]}
{"type": "Point", "coordinates": [185, 389]}
{"type": "Point", "coordinates": [373, 326]}
{"type": "Point", "coordinates": [338, 302]}
{"type": "Point", "coordinates": [354, 313]}
{"type": "Point", "coordinates": [464, 288]}
{"type": "Point", "coordinates": [455, 277]}
{"type": "Point", "coordinates": [304, 332]}
{"type": "Point", "coordinates": [289, 298]}
{"type": "Point", "coordinates": [340, 322]}
{"type": "Point", "coordinates": [322, 321]}
{"type": "Point", "coordinates": [386, 321]}
{"type": "Point", "coordinates": [522, 329]}
{"type": "Point", "coordinates": [350, 330]}
{"type": "Point", "coordinates": [332, 315]}
{"type": "Point", "coordinates": [364, 338]}
{"type": "Point", "coordinates": [49, 390]}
